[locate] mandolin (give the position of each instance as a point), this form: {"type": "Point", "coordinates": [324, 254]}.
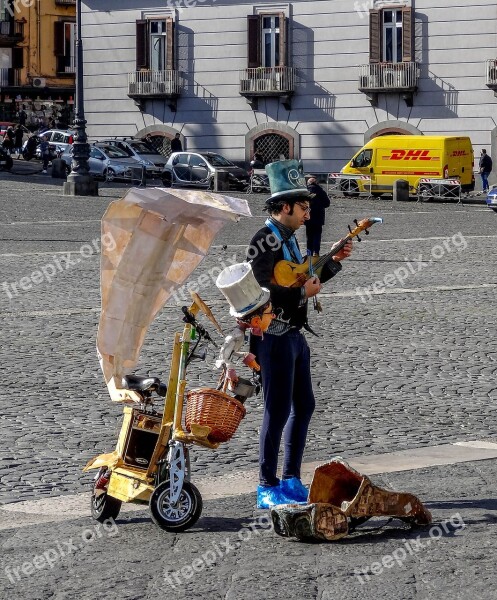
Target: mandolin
{"type": "Point", "coordinates": [290, 274]}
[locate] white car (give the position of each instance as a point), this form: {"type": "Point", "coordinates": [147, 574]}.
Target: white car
{"type": "Point", "coordinates": [197, 169]}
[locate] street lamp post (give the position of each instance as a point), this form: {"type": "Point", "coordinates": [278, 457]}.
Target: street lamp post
{"type": "Point", "coordinates": [79, 181]}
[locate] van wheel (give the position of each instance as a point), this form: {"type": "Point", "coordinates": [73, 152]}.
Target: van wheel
{"type": "Point", "coordinates": [349, 188]}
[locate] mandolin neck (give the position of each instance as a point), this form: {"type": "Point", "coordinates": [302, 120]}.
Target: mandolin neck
{"type": "Point", "coordinates": [324, 259]}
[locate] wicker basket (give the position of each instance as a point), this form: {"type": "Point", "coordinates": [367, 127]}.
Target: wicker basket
{"type": "Point", "coordinates": [217, 410]}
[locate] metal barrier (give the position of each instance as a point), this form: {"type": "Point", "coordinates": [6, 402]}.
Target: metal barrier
{"type": "Point", "coordinates": [137, 175]}
{"type": "Point", "coordinates": [259, 182]}
{"type": "Point", "coordinates": [445, 189]}
{"type": "Point", "coordinates": [347, 184]}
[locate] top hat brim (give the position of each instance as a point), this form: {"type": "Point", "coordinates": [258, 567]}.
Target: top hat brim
{"type": "Point", "coordinates": [290, 195]}
{"type": "Point", "coordinates": [263, 299]}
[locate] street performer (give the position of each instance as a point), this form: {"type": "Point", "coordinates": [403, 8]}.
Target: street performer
{"type": "Point", "coordinates": [283, 352]}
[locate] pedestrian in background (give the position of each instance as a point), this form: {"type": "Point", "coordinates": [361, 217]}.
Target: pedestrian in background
{"type": "Point", "coordinates": [8, 140]}
{"type": "Point", "coordinates": [176, 145]}
{"type": "Point", "coordinates": [45, 152]}
{"type": "Point", "coordinates": [318, 202]}
{"type": "Point", "coordinates": [485, 169]}
{"type": "Point", "coordinates": [18, 137]}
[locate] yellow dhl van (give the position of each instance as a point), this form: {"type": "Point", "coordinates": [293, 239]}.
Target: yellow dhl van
{"type": "Point", "coordinates": [410, 157]}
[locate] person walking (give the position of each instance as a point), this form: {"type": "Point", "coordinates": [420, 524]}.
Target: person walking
{"type": "Point", "coordinates": [319, 202]}
{"type": "Point", "coordinates": [18, 137]}
{"type": "Point", "coordinates": [485, 169]}
{"type": "Point", "coordinates": [283, 352]}
{"type": "Point", "coordinates": [45, 153]}
{"type": "Point", "coordinates": [8, 140]}
{"type": "Point", "coordinates": [176, 145]}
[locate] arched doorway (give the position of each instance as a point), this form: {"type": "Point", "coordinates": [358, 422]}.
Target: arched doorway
{"type": "Point", "coordinates": [391, 128]}
{"type": "Point", "coordinates": [272, 147]}
{"type": "Point", "coordinates": [272, 141]}
{"type": "Point", "coordinates": [159, 137]}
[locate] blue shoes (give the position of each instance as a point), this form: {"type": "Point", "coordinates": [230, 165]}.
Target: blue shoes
{"type": "Point", "coordinates": [271, 496]}
{"type": "Point", "coordinates": [294, 488]}
{"type": "Point", "coordinates": [289, 491]}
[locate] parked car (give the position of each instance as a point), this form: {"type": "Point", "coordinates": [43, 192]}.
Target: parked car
{"type": "Point", "coordinates": [197, 169]}
{"type": "Point", "coordinates": [492, 199]}
{"type": "Point", "coordinates": [142, 152]}
{"type": "Point", "coordinates": [105, 161]}
{"type": "Point", "coordinates": [6, 161]}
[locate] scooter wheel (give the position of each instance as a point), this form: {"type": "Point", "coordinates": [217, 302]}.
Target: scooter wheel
{"type": "Point", "coordinates": [179, 516]}
{"type": "Point", "coordinates": [103, 506]}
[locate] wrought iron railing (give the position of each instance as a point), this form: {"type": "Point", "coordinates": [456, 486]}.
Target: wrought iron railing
{"type": "Point", "coordinates": [389, 76]}
{"type": "Point", "coordinates": [268, 80]}
{"type": "Point", "coordinates": [154, 83]}
{"type": "Point", "coordinates": [491, 72]}
{"type": "Point", "coordinates": [9, 77]}
{"type": "Point", "coordinates": [12, 29]}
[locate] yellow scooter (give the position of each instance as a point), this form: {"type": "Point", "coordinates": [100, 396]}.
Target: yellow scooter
{"type": "Point", "coordinates": [152, 241]}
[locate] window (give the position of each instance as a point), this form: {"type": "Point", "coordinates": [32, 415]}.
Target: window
{"type": "Point", "coordinates": [270, 41]}
{"type": "Point", "coordinates": [155, 44]}
{"type": "Point", "coordinates": [363, 159]}
{"type": "Point", "coordinates": [391, 35]}
{"type": "Point", "coordinates": [197, 161]}
{"type": "Point", "coordinates": [267, 40]}
{"type": "Point", "coordinates": [65, 46]}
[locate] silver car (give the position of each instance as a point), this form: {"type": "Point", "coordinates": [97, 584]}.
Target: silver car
{"type": "Point", "coordinates": [197, 169]}
{"type": "Point", "coordinates": [105, 161]}
{"type": "Point", "coordinates": [143, 153]}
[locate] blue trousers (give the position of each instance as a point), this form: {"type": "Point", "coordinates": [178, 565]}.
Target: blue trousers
{"type": "Point", "coordinates": [288, 402]}
{"type": "Point", "coordinates": [484, 181]}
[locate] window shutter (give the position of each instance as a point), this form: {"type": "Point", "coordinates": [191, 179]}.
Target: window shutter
{"type": "Point", "coordinates": [253, 41]}
{"type": "Point", "coordinates": [142, 42]}
{"type": "Point", "coordinates": [283, 43]}
{"type": "Point", "coordinates": [374, 36]}
{"type": "Point", "coordinates": [59, 38]}
{"type": "Point", "coordinates": [407, 34]}
{"type": "Point", "coordinates": [17, 58]}
{"type": "Point", "coordinates": [170, 44]}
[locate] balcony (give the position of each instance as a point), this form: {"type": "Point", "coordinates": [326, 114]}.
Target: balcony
{"type": "Point", "coordinates": [491, 74]}
{"type": "Point", "coordinates": [9, 77]}
{"type": "Point", "coordinates": [389, 78]}
{"type": "Point", "coordinates": [268, 81]}
{"type": "Point", "coordinates": [149, 85]}
{"type": "Point", "coordinates": [11, 32]}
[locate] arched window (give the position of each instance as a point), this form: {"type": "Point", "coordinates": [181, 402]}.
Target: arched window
{"type": "Point", "coordinates": [273, 146]}
{"type": "Point", "coordinates": [161, 142]}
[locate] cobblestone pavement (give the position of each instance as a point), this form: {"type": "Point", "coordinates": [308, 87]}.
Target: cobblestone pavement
{"type": "Point", "coordinates": [413, 365]}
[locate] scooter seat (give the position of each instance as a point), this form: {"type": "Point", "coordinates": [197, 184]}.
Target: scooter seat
{"type": "Point", "coordinates": [139, 383]}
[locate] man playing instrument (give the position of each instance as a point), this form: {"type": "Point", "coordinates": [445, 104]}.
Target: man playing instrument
{"type": "Point", "coordinates": [283, 352]}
